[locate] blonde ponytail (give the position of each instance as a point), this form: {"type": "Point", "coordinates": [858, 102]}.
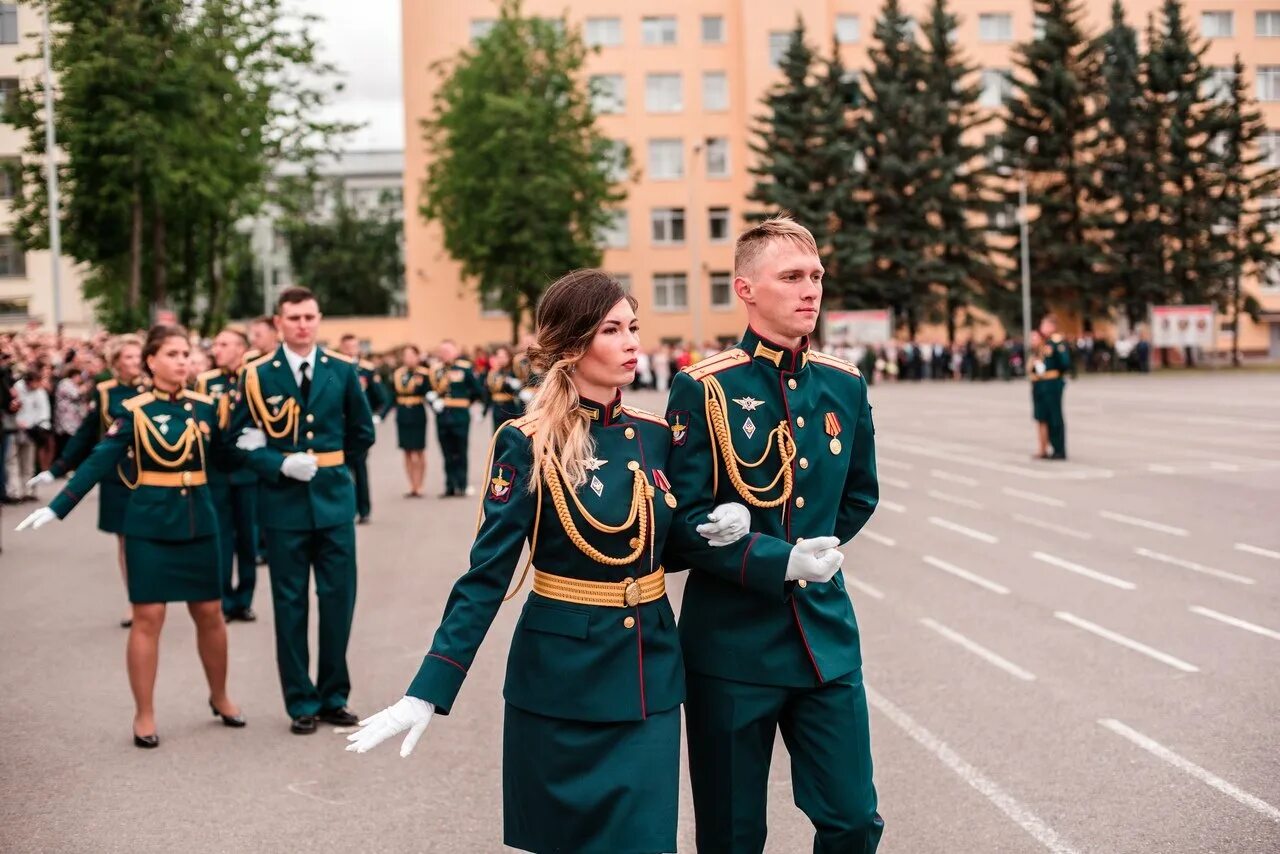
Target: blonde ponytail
{"type": "Point", "coordinates": [562, 435]}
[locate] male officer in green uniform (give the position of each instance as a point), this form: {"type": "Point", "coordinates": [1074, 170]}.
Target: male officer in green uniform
{"type": "Point", "coordinates": [302, 413]}
{"type": "Point", "coordinates": [376, 393]}
{"type": "Point", "coordinates": [456, 387]}
{"type": "Point", "coordinates": [788, 431]}
{"type": "Point", "coordinates": [235, 493]}
{"type": "Point", "coordinates": [1051, 383]}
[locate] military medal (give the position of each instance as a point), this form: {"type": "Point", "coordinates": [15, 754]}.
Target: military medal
{"type": "Point", "coordinates": [833, 428]}
{"type": "Point", "coordinates": [749, 427]}
{"type": "Point", "coordinates": [660, 480]}
{"type": "Point", "coordinates": [597, 486]}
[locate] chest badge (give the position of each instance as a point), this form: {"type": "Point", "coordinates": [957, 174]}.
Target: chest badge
{"type": "Point", "coordinates": [597, 486]}
{"type": "Point", "coordinates": [750, 404]}
{"type": "Point", "coordinates": [163, 421]}
{"type": "Point", "coordinates": [833, 429]}
{"type": "Point", "coordinates": [749, 427]}
{"type": "Point", "coordinates": [593, 464]}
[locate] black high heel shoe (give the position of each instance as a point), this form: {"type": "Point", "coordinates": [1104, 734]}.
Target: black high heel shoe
{"type": "Point", "coordinates": [146, 741]}
{"type": "Point", "coordinates": [236, 721]}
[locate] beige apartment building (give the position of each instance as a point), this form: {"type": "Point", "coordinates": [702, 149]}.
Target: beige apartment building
{"type": "Point", "coordinates": [26, 278]}
{"type": "Point", "coordinates": [680, 83]}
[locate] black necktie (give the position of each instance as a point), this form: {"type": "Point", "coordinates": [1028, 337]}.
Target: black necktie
{"type": "Point", "coordinates": [305, 385]}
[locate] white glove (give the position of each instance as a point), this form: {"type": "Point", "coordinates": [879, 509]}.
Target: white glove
{"type": "Point", "coordinates": [299, 467]}
{"type": "Point", "coordinates": [1040, 368]}
{"type": "Point", "coordinates": [251, 439]}
{"type": "Point", "coordinates": [726, 524]}
{"type": "Point", "coordinates": [432, 397]}
{"type": "Point", "coordinates": [377, 419]}
{"type": "Point", "coordinates": [526, 395]}
{"type": "Point", "coordinates": [514, 384]}
{"type": "Point", "coordinates": [815, 560]}
{"type": "Point", "coordinates": [437, 405]}
{"type": "Point", "coordinates": [40, 480]}
{"type": "Point", "coordinates": [37, 519]}
{"type": "Point", "coordinates": [409, 713]}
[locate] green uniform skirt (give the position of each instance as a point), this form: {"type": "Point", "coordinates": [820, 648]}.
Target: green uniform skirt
{"type": "Point", "coordinates": [411, 427]}
{"type": "Point", "coordinates": [1040, 401]}
{"type": "Point", "coordinates": [172, 570]}
{"type": "Point", "coordinates": [590, 788]}
{"type": "Point", "coordinates": [113, 500]}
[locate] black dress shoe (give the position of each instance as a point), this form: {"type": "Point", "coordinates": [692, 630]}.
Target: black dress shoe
{"type": "Point", "coordinates": [235, 721]}
{"type": "Point", "coordinates": [245, 615]}
{"type": "Point", "coordinates": [303, 725]}
{"type": "Point", "coordinates": [146, 741]}
{"type": "Point", "coordinates": [363, 520]}
{"type": "Point", "coordinates": [340, 717]}
{"type": "Point", "coordinates": [126, 624]}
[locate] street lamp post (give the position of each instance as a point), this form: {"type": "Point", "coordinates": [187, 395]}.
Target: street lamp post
{"type": "Point", "coordinates": [1024, 229]}
{"type": "Point", "coordinates": [51, 178]}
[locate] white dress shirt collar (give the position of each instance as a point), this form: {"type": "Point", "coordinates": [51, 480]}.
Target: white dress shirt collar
{"type": "Point", "coordinates": [295, 363]}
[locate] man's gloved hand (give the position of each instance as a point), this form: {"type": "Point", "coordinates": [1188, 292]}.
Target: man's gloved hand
{"type": "Point", "coordinates": [37, 519]}
{"type": "Point", "coordinates": [377, 419]}
{"type": "Point", "coordinates": [409, 713]}
{"type": "Point", "coordinates": [726, 524]}
{"type": "Point", "coordinates": [1040, 368]}
{"type": "Point", "coordinates": [299, 467]}
{"type": "Point", "coordinates": [251, 439]}
{"type": "Point", "coordinates": [40, 480]}
{"type": "Point", "coordinates": [815, 560]}
{"type": "Point", "coordinates": [437, 405]}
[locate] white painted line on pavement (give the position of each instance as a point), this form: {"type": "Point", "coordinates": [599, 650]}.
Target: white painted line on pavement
{"type": "Point", "coordinates": [1235, 621]}
{"type": "Point", "coordinates": [1142, 523]}
{"type": "Point", "coordinates": [1193, 566]}
{"type": "Point", "coordinates": [1002, 800]}
{"type": "Point", "coordinates": [955, 499]}
{"type": "Point", "coordinates": [292, 787]}
{"type": "Point", "coordinates": [1257, 550]}
{"type": "Point", "coordinates": [1157, 749]}
{"type": "Point", "coordinates": [864, 587]}
{"type": "Point", "coordinates": [1160, 468]}
{"type": "Point", "coordinates": [893, 464]}
{"type": "Point", "coordinates": [954, 478]}
{"type": "Point", "coordinates": [979, 650]}
{"type": "Point", "coordinates": [961, 529]}
{"type": "Point", "coordinates": [878, 538]}
{"type": "Point", "coordinates": [1115, 637]}
{"type": "Point", "coordinates": [894, 482]}
{"type": "Point", "coordinates": [1034, 496]}
{"type": "Point", "coordinates": [1083, 570]}
{"type": "Point", "coordinates": [891, 505]}
{"type": "Point", "coordinates": [972, 578]}
{"type": "Point", "coordinates": [1216, 466]}
{"type": "Point", "coordinates": [1049, 526]}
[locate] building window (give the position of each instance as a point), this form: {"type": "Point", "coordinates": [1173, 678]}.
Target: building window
{"type": "Point", "coordinates": [995, 27]}
{"type": "Point", "coordinates": [8, 23]}
{"type": "Point", "coordinates": [10, 178]}
{"type": "Point", "coordinates": [1037, 28]}
{"type": "Point", "coordinates": [1217, 84]}
{"type": "Point", "coordinates": [721, 290]}
{"type": "Point", "coordinates": [997, 85]}
{"type": "Point", "coordinates": [8, 91]}
{"type": "Point", "coordinates": [663, 93]}
{"type": "Point", "coordinates": [1269, 211]}
{"type": "Point", "coordinates": [608, 94]}
{"type": "Point", "coordinates": [848, 29]}
{"type": "Point", "coordinates": [13, 261]}
{"type": "Point", "coordinates": [670, 291]}
{"type": "Point", "coordinates": [779, 42]}
{"type": "Point", "coordinates": [713, 29]}
{"type": "Point", "coordinates": [717, 157]}
{"type": "Point", "coordinates": [715, 91]}
{"type": "Point", "coordinates": [1217, 25]}
{"type": "Point", "coordinates": [718, 225]}
{"type": "Point", "coordinates": [603, 32]}
{"type": "Point", "coordinates": [481, 27]}
{"type": "Point", "coordinates": [658, 31]}
{"type": "Point", "coordinates": [1267, 24]}
{"type": "Point", "coordinates": [617, 234]}
{"type": "Point", "coordinates": [1269, 83]}
{"type": "Point", "coordinates": [1269, 148]}
{"type": "Point", "coordinates": [667, 226]}
{"type": "Point", "coordinates": [616, 161]}
{"type": "Point", "coordinates": [666, 159]}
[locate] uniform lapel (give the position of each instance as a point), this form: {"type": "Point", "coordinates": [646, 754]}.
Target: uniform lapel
{"type": "Point", "coordinates": [321, 379]}
{"type": "Point", "coordinates": [282, 376]}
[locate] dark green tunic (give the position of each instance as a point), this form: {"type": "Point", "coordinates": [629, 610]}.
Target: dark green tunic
{"type": "Point", "coordinates": [411, 387]}
{"type": "Point", "coordinates": [502, 396]}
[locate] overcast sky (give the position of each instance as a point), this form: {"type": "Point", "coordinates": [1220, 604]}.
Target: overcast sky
{"type": "Point", "coordinates": [363, 40]}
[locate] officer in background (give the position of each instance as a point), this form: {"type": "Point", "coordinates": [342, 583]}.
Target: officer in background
{"type": "Point", "coordinates": [376, 393]}
{"type": "Point", "coordinates": [263, 338]}
{"type": "Point", "coordinates": [503, 389]}
{"type": "Point", "coordinates": [1036, 371]}
{"type": "Point", "coordinates": [302, 414]}
{"type": "Point", "coordinates": [235, 493]}
{"type": "Point", "coordinates": [455, 388]}
{"type": "Point", "coordinates": [1057, 364]}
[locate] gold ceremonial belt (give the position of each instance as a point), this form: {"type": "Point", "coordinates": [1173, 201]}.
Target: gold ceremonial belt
{"type": "Point", "coordinates": [502, 398]}
{"type": "Point", "coordinates": [327, 459]}
{"type": "Point", "coordinates": [609, 594]}
{"type": "Point", "coordinates": [410, 400]}
{"type": "Point", "coordinates": [172, 478]}
{"type": "Point", "coordinates": [1048, 375]}
{"type": "Point", "coordinates": [456, 403]}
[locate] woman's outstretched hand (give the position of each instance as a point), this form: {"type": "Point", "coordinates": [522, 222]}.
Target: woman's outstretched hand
{"type": "Point", "coordinates": [409, 713]}
{"type": "Point", "coordinates": [37, 519]}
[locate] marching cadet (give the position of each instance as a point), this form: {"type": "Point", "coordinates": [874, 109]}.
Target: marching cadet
{"type": "Point", "coordinates": [1050, 382]}
{"type": "Point", "coordinates": [371, 382]}
{"type": "Point", "coordinates": [591, 744]}
{"type": "Point", "coordinates": [411, 382]}
{"type": "Point", "coordinates": [124, 355]}
{"type": "Point", "coordinates": [455, 388]}
{"type": "Point", "coordinates": [768, 643]}
{"type": "Point", "coordinates": [171, 438]}
{"type": "Point", "coordinates": [302, 414]}
{"type": "Point", "coordinates": [235, 493]}
{"type": "Point", "coordinates": [503, 388]}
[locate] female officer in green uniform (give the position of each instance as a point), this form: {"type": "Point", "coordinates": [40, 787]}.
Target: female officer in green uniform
{"type": "Point", "coordinates": [502, 388]}
{"type": "Point", "coordinates": [125, 358]}
{"type": "Point", "coordinates": [594, 679]}
{"type": "Point", "coordinates": [171, 436]}
{"type": "Point", "coordinates": [410, 383]}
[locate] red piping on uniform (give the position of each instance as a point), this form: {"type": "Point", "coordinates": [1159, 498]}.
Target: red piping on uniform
{"type": "Point", "coordinates": [450, 660]}
{"type": "Point", "coordinates": [807, 648]}
{"type": "Point", "coordinates": [644, 708]}
{"type": "Point", "coordinates": [787, 406]}
{"type": "Point", "coordinates": [742, 576]}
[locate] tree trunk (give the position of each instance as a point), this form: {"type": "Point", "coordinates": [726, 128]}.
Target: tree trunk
{"type": "Point", "coordinates": [159, 261]}
{"type": "Point", "coordinates": [134, 293]}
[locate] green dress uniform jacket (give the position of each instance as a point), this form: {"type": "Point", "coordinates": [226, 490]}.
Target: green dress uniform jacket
{"type": "Point", "coordinates": [1047, 391]}
{"type": "Point", "coordinates": [108, 405]}
{"type": "Point", "coordinates": [376, 394]}
{"type": "Point", "coordinates": [502, 395]}
{"type": "Point", "coordinates": [457, 386]}
{"type": "Point", "coordinates": [411, 387]}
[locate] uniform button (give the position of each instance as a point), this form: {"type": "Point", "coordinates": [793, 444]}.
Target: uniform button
{"type": "Point", "coordinates": [629, 622]}
{"type": "Point", "coordinates": [791, 384]}
{"type": "Point", "coordinates": [630, 433]}
{"type": "Point", "coordinates": [633, 465]}
{"type": "Point", "coordinates": [804, 462]}
{"type": "Point", "coordinates": [802, 583]}
{"type": "Point", "coordinates": [187, 406]}
{"type": "Point", "coordinates": [800, 501]}
{"type": "Point", "coordinates": [310, 418]}
{"type": "Point", "coordinates": [310, 435]}
{"type": "Point", "coordinates": [182, 491]}
{"type": "Point", "coordinates": [309, 451]}
{"type": "Point", "coordinates": [799, 420]}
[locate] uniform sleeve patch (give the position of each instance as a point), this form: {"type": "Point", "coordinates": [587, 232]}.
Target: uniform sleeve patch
{"type": "Point", "coordinates": [679, 421]}
{"type": "Point", "coordinates": [502, 483]}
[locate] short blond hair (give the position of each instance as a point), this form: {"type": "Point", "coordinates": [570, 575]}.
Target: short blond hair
{"type": "Point", "coordinates": [752, 242]}
{"type": "Point", "coordinates": [117, 345]}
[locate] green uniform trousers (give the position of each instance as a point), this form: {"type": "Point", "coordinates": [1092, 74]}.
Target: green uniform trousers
{"type": "Point", "coordinates": [237, 507]}
{"type": "Point", "coordinates": [453, 447]}
{"type": "Point", "coordinates": [291, 555]}
{"type": "Point", "coordinates": [359, 466]}
{"type": "Point", "coordinates": [1057, 424]}
{"type": "Point", "coordinates": [731, 727]}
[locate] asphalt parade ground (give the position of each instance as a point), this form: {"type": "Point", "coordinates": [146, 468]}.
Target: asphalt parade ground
{"type": "Point", "coordinates": [1063, 657]}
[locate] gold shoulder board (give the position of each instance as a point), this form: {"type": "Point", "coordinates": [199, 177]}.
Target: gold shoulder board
{"type": "Point", "coordinates": [197, 396]}
{"type": "Point", "coordinates": [334, 354]}
{"type": "Point", "coordinates": [136, 402]}
{"type": "Point", "coordinates": [832, 362]}
{"type": "Point", "coordinates": [719, 362]}
{"type": "Point", "coordinates": [645, 415]}
{"type": "Point", "coordinates": [526, 424]}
